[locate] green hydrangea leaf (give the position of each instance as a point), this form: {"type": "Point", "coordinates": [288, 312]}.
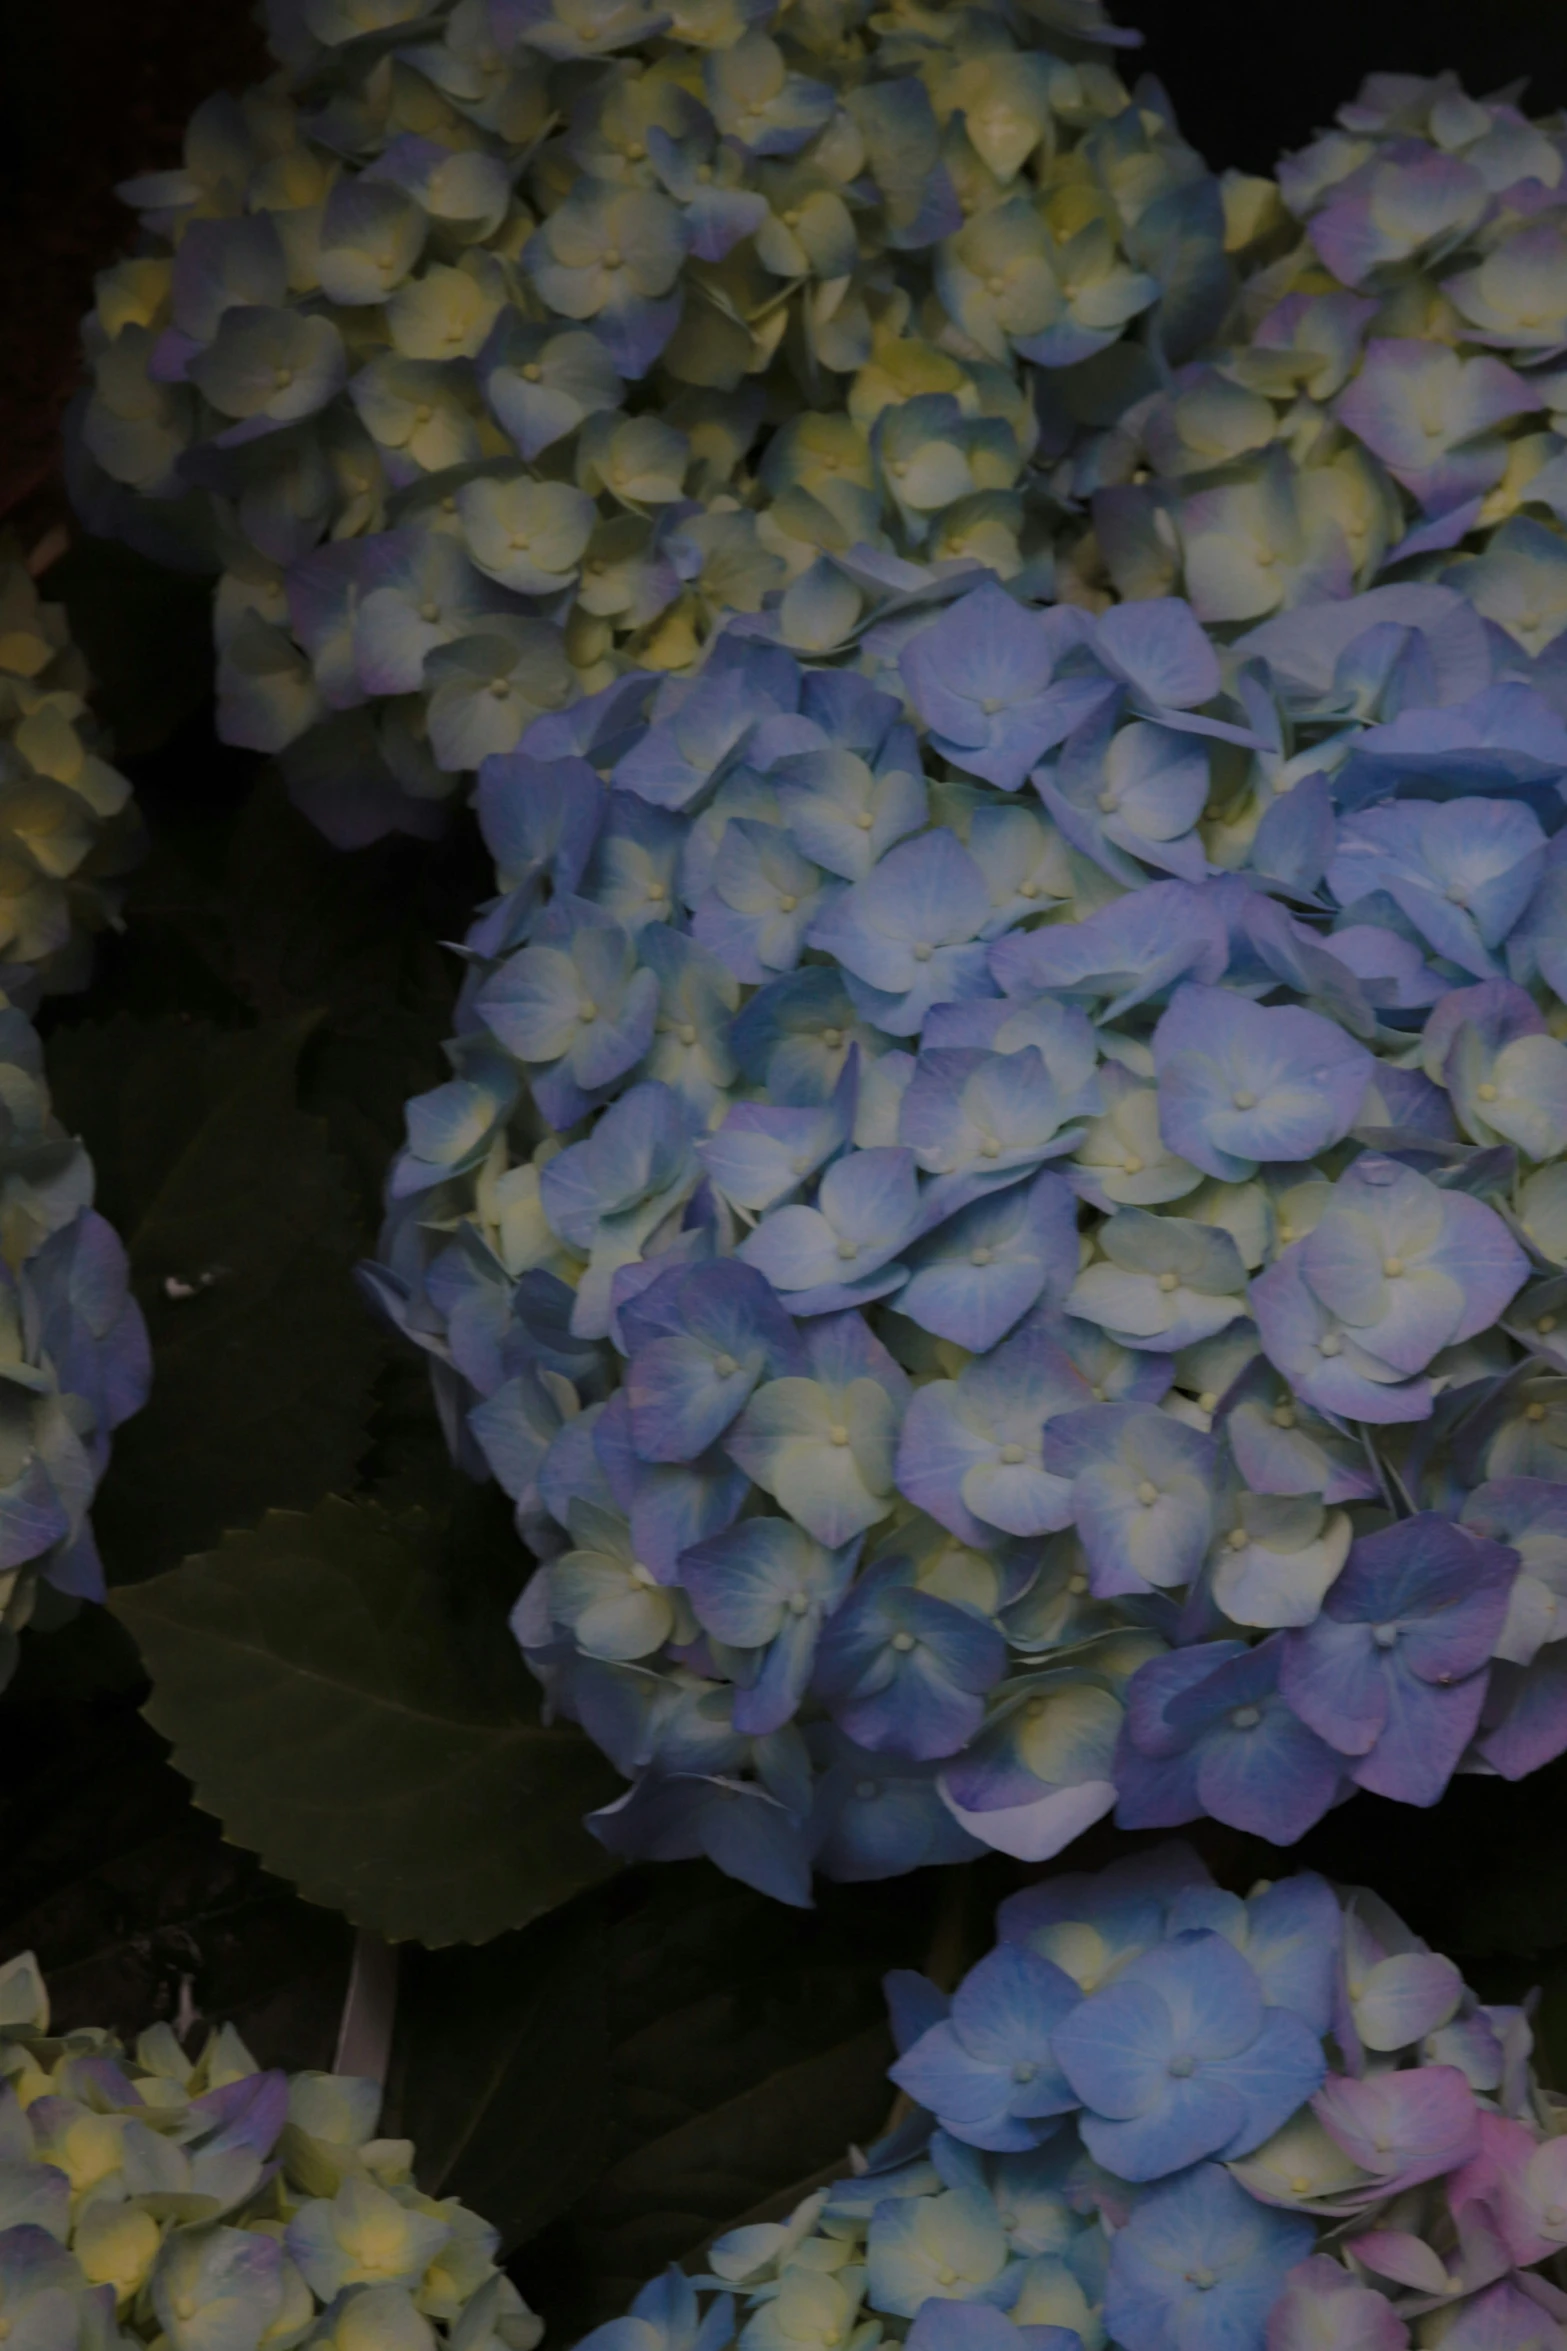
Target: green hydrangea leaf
{"type": "Point", "coordinates": [242, 1239]}
{"type": "Point", "coordinates": [350, 1712]}
{"type": "Point", "coordinates": [702, 2052]}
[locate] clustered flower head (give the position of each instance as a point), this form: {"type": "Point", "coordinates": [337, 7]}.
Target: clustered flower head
{"type": "Point", "coordinates": [206, 2204]}
{"type": "Point", "coordinates": [1391, 393]}
{"type": "Point", "coordinates": [1001, 1213]}
{"type": "Point", "coordinates": [493, 347]}
{"type": "Point", "coordinates": [1159, 2117]}
{"type": "Point", "coordinates": [73, 1347]}
{"type": "Point", "coordinates": [68, 826]}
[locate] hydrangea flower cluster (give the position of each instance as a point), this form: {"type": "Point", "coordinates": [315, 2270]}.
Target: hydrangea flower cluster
{"type": "Point", "coordinates": [493, 345]}
{"type": "Point", "coordinates": [1002, 1215]}
{"type": "Point", "coordinates": [207, 2205]}
{"type": "Point", "coordinates": [73, 1347]}
{"type": "Point", "coordinates": [1394, 392]}
{"type": "Point", "coordinates": [68, 825]}
{"type": "Point", "coordinates": [1158, 2117]}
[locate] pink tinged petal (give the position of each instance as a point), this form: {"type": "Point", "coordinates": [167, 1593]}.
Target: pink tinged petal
{"type": "Point", "coordinates": [1322, 2308]}
{"type": "Point", "coordinates": [1402, 2127]}
{"type": "Point", "coordinates": [1407, 2260]}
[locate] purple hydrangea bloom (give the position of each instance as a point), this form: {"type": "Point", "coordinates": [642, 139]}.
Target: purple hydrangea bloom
{"type": "Point", "coordinates": [1393, 1672]}
{"type": "Point", "coordinates": [899, 1669]}
{"type": "Point", "coordinates": [1207, 1731]}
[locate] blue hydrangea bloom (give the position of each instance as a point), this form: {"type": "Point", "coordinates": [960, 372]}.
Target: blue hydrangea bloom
{"type": "Point", "coordinates": [77, 1359]}
{"type": "Point", "coordinates": [988, 2072]}
{"type": "Point", "coordinates": [1179, 2059]}
{"type": "Point", "coordinates": [1006, 1291]}
{"type": "Point", "coordinates": [1162, 2115]}
{"type": "Point", "coordinates": [1202, 2264]}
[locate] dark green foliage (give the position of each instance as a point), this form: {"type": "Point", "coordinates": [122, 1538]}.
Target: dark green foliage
{"type": "Point", "coordinates": [241, 1231]}
{"type": "Point", "coordinates": [344, 1715]}
{"type": "Point", "coordinates": [702, 2056]}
